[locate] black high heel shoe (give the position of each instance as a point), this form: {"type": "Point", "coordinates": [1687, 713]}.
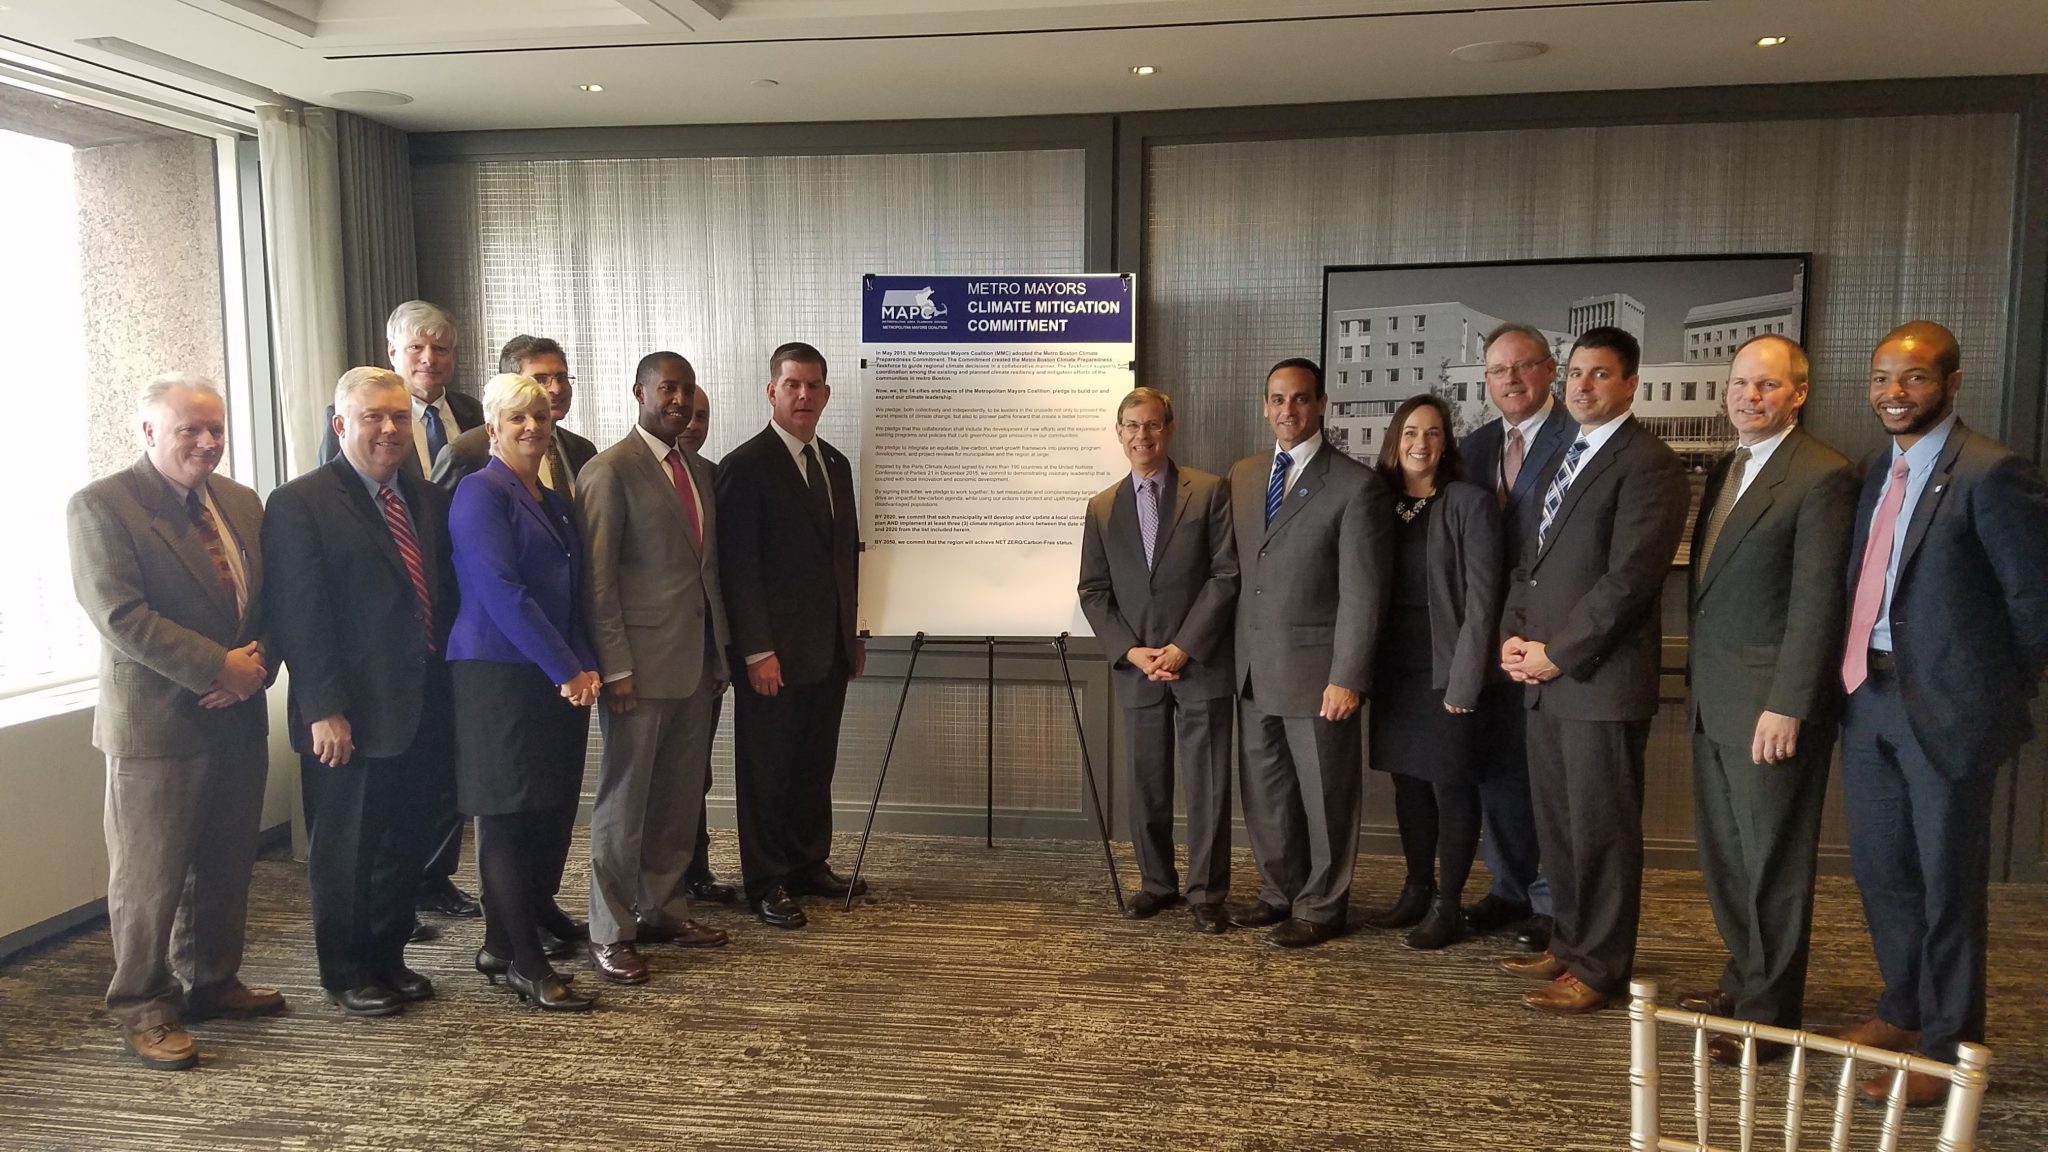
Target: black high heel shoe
{"type": "Point", "coordinates": [550, 993]}
{"type": "Point", "coordinates": [491, 967]}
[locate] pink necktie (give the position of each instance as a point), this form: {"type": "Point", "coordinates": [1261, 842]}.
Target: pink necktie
{"type": "Point", "coordinates": [1511, 464]}
{"type": "Point", "coordinates": [1877, 558]}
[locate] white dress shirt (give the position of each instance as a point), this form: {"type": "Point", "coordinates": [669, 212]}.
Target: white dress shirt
{"type": "Point", "coordinates": [1300, 454]}
{"type": "Point", "coordinates": [1760, 452]}
{"type": "Point", "coordinates": [796, 453]}
{"type": "Point", "coordinates": [449, 429]}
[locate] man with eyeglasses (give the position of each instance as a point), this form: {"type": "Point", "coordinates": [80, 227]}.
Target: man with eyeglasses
{"type": "Point", "coordinates": [1513, 455]}
{"type": "Point", "coordinates": [1158, 585]}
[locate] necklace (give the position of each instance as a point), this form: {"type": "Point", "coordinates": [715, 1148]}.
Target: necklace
{"type": "Point", "coordinates": [1409, 507]}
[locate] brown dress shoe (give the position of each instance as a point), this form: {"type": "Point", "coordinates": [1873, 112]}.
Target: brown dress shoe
{"type": "Point", "coordinates": [1876, 1033]}
{"type": "Point", "coordinates": [236, 1001]}
{"type": "Point", "coordinates": [690, 934]}
{"type": "Point", "coordinates": [1728, 1050]}
{"type": "Point", "coordinates": [1922, 1090]}
{"type": "Point", "coordinates": [164, 1047]}
{"type": "Point", "coordinates": [1715, 1003]}
{"type": "Point", "coordinates": [1566, 996]}
{"type": "Point", "coordinates": [1541, 966]}
{"type": "Point", "coordinates": [619, 963]}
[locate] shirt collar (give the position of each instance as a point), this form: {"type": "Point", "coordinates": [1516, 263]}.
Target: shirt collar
{"type": "Point", "coordinates": [371, 485]}
{"type": "Point", "coordinates": [1601, 434]}
{"type": "Point", "coordinates": [1532, 424]}
{"type": "Point", "coordinates": [789, 441]}
{"type": "Point", "coordinates": [1926, 450]}
{"type": "Point", "coordinates": [1163, 477]}
{"type": "Point", "coordinates": [1301, 452]}
{"type": "Point", "coordinates": [655, 444]}
{"type": "Point", "coordinates": [1761, 451]}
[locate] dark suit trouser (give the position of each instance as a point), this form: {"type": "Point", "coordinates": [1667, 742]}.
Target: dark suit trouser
{"type": "Point", "coordinates": [1507, 813]}
{"type": "Point", "coordinates": [444, 837]}
{"type": "Point", "coordinates": [1302, 776]}
{"type": "Point", "coordinates": [700, 860]}
{"type": "Point", "coordinates": [362, 865]}
{"type": "Point", "coordinates": [784, 750]}
{"type": "Point", "coordinates": [1202, 730]}
{"type": "Point", "coordinates": [650, 795]}
{"type": "Point", "coordinates": [181, 840]}
{"type": "Point", "coordinates": [1920, 847]}
{"type": "Point", "coordinates": [1587, 780]}
{"type": "Point", "coordinates": [1759, 839]}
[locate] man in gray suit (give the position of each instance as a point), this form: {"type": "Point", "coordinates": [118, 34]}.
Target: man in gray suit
{"type": "Point", "coordinates": [1768, 612]}
{"type": "Point", "coordinates": [166, 562]}
{"type": "Point", "coordinates": [1158, 583]}
{"type": "Point", "coordinates": [1314, 532]}
{"type": "Point", "coordinates": [657, 620]}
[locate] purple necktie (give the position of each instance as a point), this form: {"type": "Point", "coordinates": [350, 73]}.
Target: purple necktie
{"type": "Point", "coordinates": [1148, 517]}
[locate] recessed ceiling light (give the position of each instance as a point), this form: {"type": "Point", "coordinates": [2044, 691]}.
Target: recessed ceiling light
{"type": "Point", "coordinates": [368, 98]}
{"type": "Point", "coordinates": [1770, 41]}
{"type": "Point", "coordinates": [1144, 70]}
{"type": "Point", "coordinates": [590, 87]}
{"type": "Point", "coordinates": [1499, 51]}
{"type": "Point", "coordinates": [765, 82]}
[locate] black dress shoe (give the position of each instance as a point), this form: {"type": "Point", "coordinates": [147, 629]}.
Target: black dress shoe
{"type": "Point", "coordinates": [550, 993]}
{"type": "Point", "coordinates": [490, 967]}
{"type": "Point", "coordinates": [555, 923]}
{"type": "Point", "coordinates": [443, 898]}
{"type": "Point", "coordinates": [1301, 934]}
{"type": "Point", "coordinates": [366, 1000]}
{"type": "Point", "coordinates": [1208, 918]}
{"type": "Point", "coordinates": [555, 946]}
{"type": "Point", "coordinates": [777, 910]}
{"type": "Point", "coordinates": [1406, 911]}
{"type": "Point", "coordinates": [823, 881]}
{"type": "Point", "coordinates": [1443, 927]}
{"type": "Point", "coordinates": [710, 890]}
{"type": "Point", "coordinates": [1492, 913]}
{"type": "Point", "coordinates": [1535, 935]}
{"type": "Point", "coordinates": [1715, 1003]}
{"type": "Point", "coordinates": [1258, 914]}
{"type": "Point", "coordinates": [409, 984]}
{"type": "Point", "coordinates": [422, 932]}
{"type": "Point", "coordinates": [1145, 905]}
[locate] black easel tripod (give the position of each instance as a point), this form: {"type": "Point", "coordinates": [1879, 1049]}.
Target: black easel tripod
{"type": "Point", "coordinates": [1096, 800]}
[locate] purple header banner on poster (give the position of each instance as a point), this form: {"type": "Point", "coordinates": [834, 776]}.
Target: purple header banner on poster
{"type": "Point", "coordinates": [1095, 309]}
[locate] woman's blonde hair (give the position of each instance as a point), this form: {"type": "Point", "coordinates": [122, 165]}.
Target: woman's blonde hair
{"type": "Point", "coordinates": [510, 392]}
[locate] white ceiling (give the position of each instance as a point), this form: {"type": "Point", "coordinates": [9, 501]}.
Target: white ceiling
{"type": "Point", "coordinates": [474, 64]}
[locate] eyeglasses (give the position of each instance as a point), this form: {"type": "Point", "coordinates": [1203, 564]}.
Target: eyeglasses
{"type": "Point", "coordinates": [1135, 426]}
{"type": "Point", "coordinates": [546, 378]}
{"type": "Point", "coordinates": [1518, 368]}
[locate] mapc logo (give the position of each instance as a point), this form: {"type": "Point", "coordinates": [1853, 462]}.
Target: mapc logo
{"type": "Point", "coordinates": [910, 304]}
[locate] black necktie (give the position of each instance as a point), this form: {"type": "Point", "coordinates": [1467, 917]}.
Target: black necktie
{"type": "Point", "coordinates": [821, 497]}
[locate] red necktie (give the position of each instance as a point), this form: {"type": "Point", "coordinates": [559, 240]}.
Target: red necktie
{"type": "Point", "coordinates": [216, 548]}
{"type": "Point", "coordinates": [1877, 558]}
{"type": "Point", "coordinates": [687, 496]}
{"type": "Point", "coordinates": [409, 551]}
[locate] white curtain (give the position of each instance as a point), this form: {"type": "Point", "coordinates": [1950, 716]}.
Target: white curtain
{"type": "Point", "coordinates": [302, 232]}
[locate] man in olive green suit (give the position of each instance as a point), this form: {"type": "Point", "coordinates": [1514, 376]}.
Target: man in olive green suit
{"type": "Point", "coordinates": [166, 563]}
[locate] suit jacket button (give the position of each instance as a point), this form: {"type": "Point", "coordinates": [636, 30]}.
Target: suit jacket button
{"type": "Point", "coordinates": [1258, 591]}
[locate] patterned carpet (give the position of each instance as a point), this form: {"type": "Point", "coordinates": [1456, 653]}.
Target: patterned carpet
{"type": "Point", "coordinates": [977, 999]}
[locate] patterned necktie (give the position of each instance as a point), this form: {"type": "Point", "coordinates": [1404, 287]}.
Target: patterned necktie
{"type": "Point", "coordinates": [1553, 497]}
{"type": "Point", "coordinates": [558, 466]}
{"type": "Point", "coordinates": [1877, 561]}
{"type": "Point", "coordinates": [1148, 517]}
{"type": "Point", "coordinates": [821, 496]}
{"type": "Point", "coordinates": [409, 551]}
{"type": "Point", "coordinates": [1724, 503]}
{"type": "Point", "coordinates": [687, 495]}
{"type": "Point", "coordinates": [1511, 464]}
{"type": "Point", "coordinates": [437, 436]}
{"type": "Point", "coordinates": [1276, 488]}
{"type": "Point", "coordinates": [216, 547]}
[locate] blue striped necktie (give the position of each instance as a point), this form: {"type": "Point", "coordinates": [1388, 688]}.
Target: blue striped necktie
{"type": "Point", "coordinates": [1276, 489]}
{"type": "Point", "coordinates": [437, 436]}
{"type": "Point", "coordinates": [1148, 516]}
{"type": "Point", "coordinates": [1553, 496]}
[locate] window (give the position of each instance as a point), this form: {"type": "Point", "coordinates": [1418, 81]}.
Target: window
{"type": "Point", "coordinates": [1343, 377]}
{"type": "Point", "coordinates": [1691, 390]}
{"type": "Point", "coordinates": [1393, 323]}
{"type": "Point", "coordinates": [1346, 329]}
{"type": "Point", "coordinates": [127, 214]}
{"type": "Point", "coordinates": [1365, 325]}
{"type": "Point", "coordinates": [1393, 375]}
{"type": "Point", "coordinates": [1667, 390]}
{"type": "Point", "coordinates": [1344, 352]}
{"type": "Point", "coordinates": [1420, 320]}
{"type": "Point", "coordinates": [1365, 377]}
{"type": "Point", "coordinates": [1417, 346]}
{"type": "Point", "coordinates": [1365, 350]}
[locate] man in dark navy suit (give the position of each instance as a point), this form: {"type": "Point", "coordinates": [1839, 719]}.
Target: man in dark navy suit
{"type": "Point", "coordinates": [1513, 455]}
{"type": "Point", "coordinates": [1948, 635]}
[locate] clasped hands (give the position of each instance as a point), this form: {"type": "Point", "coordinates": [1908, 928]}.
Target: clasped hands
{"type": "Point", "coordinates": [242, 675]}
{"type": "Point", "coordinates": [1158, 663]}
{"type": "Point", "coordinates": [1527, 661]}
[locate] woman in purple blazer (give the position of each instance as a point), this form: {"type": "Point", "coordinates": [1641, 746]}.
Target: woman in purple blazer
{"type": "Point", "coordinates": [523, 671]}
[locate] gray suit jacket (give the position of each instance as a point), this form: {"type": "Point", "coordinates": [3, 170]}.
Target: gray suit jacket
{"type": "Point", "coordinates": [1185, 598]}
{"type": "Point", "coordinates": [1591, 593]}
{"type": "Point", "coordinates": [1769, 611]}
{"type": "Point", "coordinates": [1312, 586]}
{"type": "Point", "coordinates": [654, 602]}
{"type": "Point", "coordinates": [145, 580]}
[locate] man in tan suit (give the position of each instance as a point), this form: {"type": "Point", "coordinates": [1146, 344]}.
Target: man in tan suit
{"type": "Point", "coordinates": [166, 564]}
{"type": "Point", "coordinates": [657, 620]}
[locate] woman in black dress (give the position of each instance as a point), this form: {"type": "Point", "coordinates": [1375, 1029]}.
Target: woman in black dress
{"type": "Point", "coordinates": [1434, 654]}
